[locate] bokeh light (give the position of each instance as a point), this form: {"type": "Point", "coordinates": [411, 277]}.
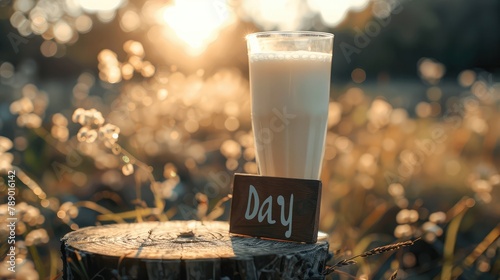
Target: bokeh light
{"type": "Point", "coordinates": [148, 114]}
{"type": "Point", "coordinates": [296, 14]}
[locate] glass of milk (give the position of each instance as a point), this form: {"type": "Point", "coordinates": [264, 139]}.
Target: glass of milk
{"type": "Point", "coordinates": [290, 88]}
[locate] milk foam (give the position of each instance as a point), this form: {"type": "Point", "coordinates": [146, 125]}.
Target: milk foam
{"type": "Point", "coordinates": [291, 55]}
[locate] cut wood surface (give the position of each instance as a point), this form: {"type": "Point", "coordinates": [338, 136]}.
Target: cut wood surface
{"type": "Point", "coordinates": [186, 250]}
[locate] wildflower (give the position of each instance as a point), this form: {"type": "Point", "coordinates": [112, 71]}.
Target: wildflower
{"type": "Point", "coordinates": [77, 115]}
{"type": "Point", "coordinates": [94, 127]}
{"type": "Point", "coordinates": [127, 169]}
{"type": "Point", "coordinates": [89, 118]}
{"type": "Point", "coordinates": [109, 132]}
{"type": "Point", "coordinates": [25, 215]}
{"type": "Point", "coordinates": [30, 214]}
{"type": "Point", "coordinates": [86, 135]}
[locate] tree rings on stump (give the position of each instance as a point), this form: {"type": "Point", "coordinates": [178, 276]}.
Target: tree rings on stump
{"type": "Point", "coordinates": [186, 250]}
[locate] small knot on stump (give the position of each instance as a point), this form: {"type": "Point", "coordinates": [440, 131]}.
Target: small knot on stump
{"type": "Point", "coordinates": [186, 234]}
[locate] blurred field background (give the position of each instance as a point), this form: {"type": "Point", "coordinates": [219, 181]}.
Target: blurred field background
{"type": "Point", "coordinates": [123, 111]}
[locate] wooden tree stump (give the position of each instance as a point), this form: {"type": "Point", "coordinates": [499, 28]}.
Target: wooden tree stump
{"type": "Point", "coordinates": [185, 250]}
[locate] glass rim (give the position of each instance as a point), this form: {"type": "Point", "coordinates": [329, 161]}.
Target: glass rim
{"type": "Point", "coordinates": [290, 34]}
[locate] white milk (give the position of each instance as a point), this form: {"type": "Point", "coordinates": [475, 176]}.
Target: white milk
{"type": "Point", "coordinates": [290, 95]}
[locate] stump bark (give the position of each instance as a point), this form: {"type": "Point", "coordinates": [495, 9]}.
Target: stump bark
{"type": "Point", "coordinates": [185, 250]}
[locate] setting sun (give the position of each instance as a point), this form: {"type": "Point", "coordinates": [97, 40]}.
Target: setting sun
{"type": "Point", "coordinates": [197, 22]}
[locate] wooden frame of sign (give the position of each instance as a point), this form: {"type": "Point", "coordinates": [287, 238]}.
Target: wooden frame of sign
{"type": "Point", "coordinates": [275, 207]}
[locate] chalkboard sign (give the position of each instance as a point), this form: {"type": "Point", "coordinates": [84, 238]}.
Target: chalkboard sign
{"type": "Point", "coordinates": [274, 207]}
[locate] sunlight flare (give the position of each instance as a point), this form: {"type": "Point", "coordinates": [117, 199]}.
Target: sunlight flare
{"type": "Point", "coordinates": [197, 22]}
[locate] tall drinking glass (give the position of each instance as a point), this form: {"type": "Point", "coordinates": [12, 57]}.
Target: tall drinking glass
{"type": "Point", "coordinates": [290, 86]}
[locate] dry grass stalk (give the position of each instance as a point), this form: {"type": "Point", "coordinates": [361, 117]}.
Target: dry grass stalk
{"type": "Point", "coordinates": [394, 275]}
{"type": "Point", "coordinates": [374, 251]}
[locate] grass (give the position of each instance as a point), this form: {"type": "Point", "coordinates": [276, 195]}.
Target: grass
{"type": "Point", "coordinates": [387, 175]}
